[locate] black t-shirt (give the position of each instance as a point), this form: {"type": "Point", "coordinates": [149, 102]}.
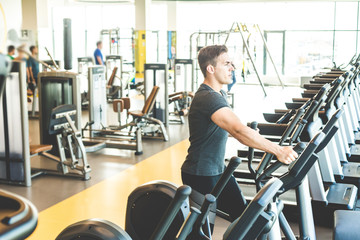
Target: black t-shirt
{"type": "Point", "coordinates": [207, 140]}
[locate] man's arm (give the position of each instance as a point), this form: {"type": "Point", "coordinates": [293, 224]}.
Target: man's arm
{"type": "Point", "coordinates": [99, 60]}
{"type": "Point", "coordinates": [32, 79]}
{"type": "Point", "coordinates": [28, 74]}
{"type": "Point", "coordinates": [228, 121]}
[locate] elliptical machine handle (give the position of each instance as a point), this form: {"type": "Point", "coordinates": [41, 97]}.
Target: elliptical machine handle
{"type": "Point", "coordinates": [291, 126]}
{"type": "Point", "coordinates": [181, 194]}
{"type": "Point", "coordinates": [267, 157]}
{"type": "Point", "coordinates": [298, 148]}
{"type": "Point", "coordinates": [197, 231]}
{"type": "Point", "coordinates": [188, 224]}
{"type": "Point", "coordinates": [233, 164]}
{"type": "Point", "coordinates": [253, 125]}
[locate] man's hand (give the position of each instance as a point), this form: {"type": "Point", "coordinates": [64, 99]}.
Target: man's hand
{"type": "Point", "coordinates": [228, 121]}
{"type": "Point", "coordinates": [286, 154]}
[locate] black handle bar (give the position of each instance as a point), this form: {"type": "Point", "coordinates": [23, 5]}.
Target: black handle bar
{"type": "Point", "coordinates": [298, 148]}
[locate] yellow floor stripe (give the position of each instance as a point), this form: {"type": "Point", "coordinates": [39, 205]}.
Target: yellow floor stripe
{"type": "Point", "coordinates": [108, 198]}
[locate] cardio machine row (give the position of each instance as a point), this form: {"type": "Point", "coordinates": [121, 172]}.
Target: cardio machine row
{"type": "Point", "coordinates": [334, 180]}
{"type": "Point", "coordinates": [260, 218]}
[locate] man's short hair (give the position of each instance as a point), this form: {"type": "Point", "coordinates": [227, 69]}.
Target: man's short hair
{"type": "Point", "coordinates": [10, 48]}
{"type": "Point", "coordinates": [32, 48]}
{"type": "Point", "coordinates": [98, 43]}
{"type": "Point", "coordinates": [208, 56]}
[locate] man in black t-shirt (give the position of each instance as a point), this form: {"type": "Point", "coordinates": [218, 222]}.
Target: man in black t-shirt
{"type": "Point", "coordinates": [210, 122]}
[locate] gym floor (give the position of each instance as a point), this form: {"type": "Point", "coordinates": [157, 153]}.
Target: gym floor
{"type": "Point", "coordinates": [116, 173]}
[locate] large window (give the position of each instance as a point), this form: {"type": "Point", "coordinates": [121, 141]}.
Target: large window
{"type": "Point", "coordinates": [303, 37]}
{"type": "Point", "coordinates": [89, 22]}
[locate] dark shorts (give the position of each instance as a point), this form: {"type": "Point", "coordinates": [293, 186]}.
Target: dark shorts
{"type": "Point", "coordinates": [231, 199]}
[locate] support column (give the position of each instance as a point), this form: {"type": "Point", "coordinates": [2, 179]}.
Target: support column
{"type": "Point", "coordinates": [171, 15]}
{"type": "Point", "coordinates": [34, 16]}
{"type": "Point", "coordinates": [142, 23]}
{"type": "Point", "coordinates": [29, 21]}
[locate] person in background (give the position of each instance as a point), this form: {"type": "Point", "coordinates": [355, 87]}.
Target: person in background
{"type": "Point", "coordinates": [98, 55]}
{"type": "Point", "coordinates": [11, 52]}
{"type": "Point", "coordinates": [32, 68]}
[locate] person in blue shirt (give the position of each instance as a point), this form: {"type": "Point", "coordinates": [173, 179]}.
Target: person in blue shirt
{"type": "Point", "coordinates": [98, 55]}
{"type": "Point", "coordinates": [33, 68]}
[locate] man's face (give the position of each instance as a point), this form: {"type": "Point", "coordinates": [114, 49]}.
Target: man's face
{"type": "Point", "coordinates": [100, 46]}
{"type": "Point", "coordinates": [35, 51]}
{"type": "Point", "coordinates": [223, 69]}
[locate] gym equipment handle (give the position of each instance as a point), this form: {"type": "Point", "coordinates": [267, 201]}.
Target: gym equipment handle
{"type": "Point", "coordinates": [233, 164]}
{"type": "Point", "coordinates": [298, 130]}
{"type": "Point", "coordinates": [205, 208]}
{"type": "Point", "coordinates": [299, 113]}
{"type": "Point", "coordinates": [197, 231]}
{"type": "Point", "coordinates": [286, 116]}
{"type": "Point", "coordinates": [330, 129]}
{"type": "Point", "coordinates": [311, 109]}
{"type": "Point", "coordinates": [188, 224]}
{"type": "Point", "coordinates": [20, 214]}
{"type": "Point", "coordinates": [298, 148]}
{"type": "Point", "coordinates": [253, 125]}
{"type": "Point", "coordinates": [181, 194]}
{"type": "Point", "coordinates": [268, 156]}
{"type": "Point", "coordinates": [327, 139]}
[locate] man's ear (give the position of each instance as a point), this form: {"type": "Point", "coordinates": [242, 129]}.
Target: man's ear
{"type": "Point", "coordinates": [210, 69]}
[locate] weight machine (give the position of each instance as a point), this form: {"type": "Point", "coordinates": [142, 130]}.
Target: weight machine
{"type": "Point", "coordinates": [114, 74]}
{"type": "Point", "coordinates": [83, 64]}
{"type": "Point", "coordinates": [100, 134]}
{"type": "Point", "coordinates": [184, 86]}
{"type": "Point", "coordinates": [14, 125]}
{"type": "Point", "coordinates": [16, 151]}
{"type": "Point", "coordinates": [155, 115]}
{"type": "Point", "coordinates": [60, 122]}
